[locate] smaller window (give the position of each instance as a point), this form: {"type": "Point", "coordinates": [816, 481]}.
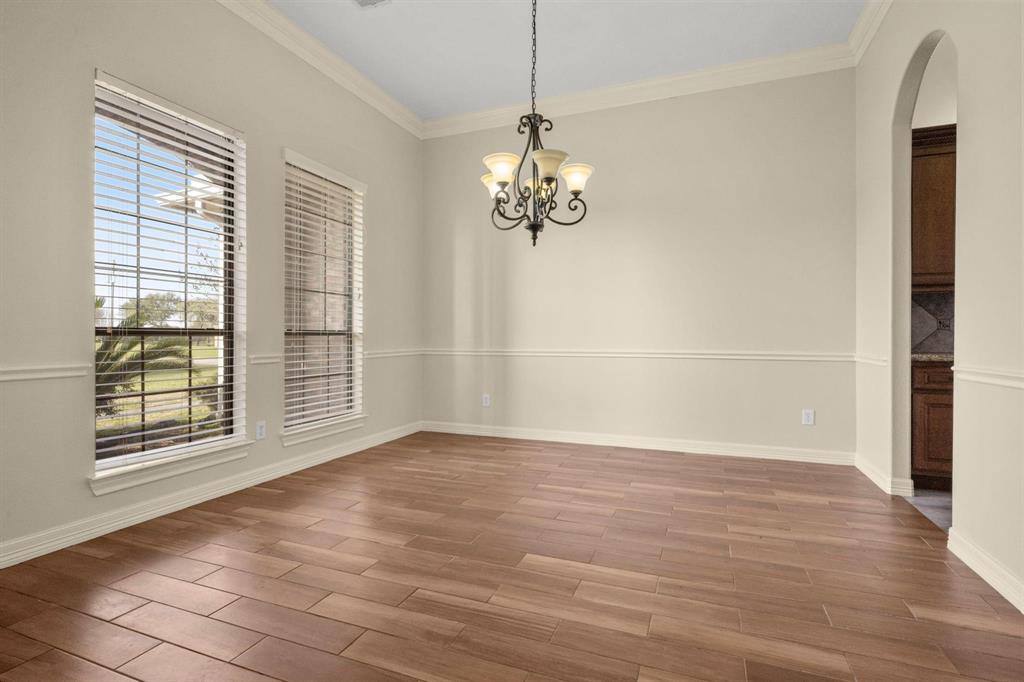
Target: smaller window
{"type": "Point", "coordinates": [323, 329]}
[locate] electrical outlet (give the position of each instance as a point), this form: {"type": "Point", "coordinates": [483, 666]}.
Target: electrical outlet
{"type": "Point", "coordinates": [807, 416]}
{"type": "Point", "coordinates": [485, 400]}
{"type": "Point", "coordinates": [261, 430]}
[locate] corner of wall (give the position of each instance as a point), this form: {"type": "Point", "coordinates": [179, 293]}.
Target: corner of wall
{"type": "Point", "coordinates": [991, 570]}
{"type": "Point", "coordinates": [904, 487]}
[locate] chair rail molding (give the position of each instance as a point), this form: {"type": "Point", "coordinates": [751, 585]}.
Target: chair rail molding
{"type": "Point", "coordinates": [751, 355]}
{"type": "Point", "coordinates": [991, 376]}
{"type": "Point", "coordinates": [873, 360]}
{"type": "Point", "coordinates": [39, 372]}
{"type": "Point", "coordinates": [392, 353]}
{"type": "Point", "coordinates": [265, 358]}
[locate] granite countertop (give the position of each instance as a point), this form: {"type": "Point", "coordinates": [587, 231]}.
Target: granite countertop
{"type": "Point", "coordinates": [931, 357]}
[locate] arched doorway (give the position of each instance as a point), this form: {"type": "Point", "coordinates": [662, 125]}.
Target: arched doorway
{"type": "Point", "coordinates": [922, 381]}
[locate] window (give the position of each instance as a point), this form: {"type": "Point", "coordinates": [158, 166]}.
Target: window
{"type": "Point", "coordinates": [169, 213]}
{"type": "Point", "coordinates": [323, 247]}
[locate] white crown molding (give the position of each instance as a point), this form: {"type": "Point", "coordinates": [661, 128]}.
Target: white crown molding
{"type": "Point", "coordinates": [989, 375]}
{"type": "Point", "coordinates": [903, 487]}
{"type": "Point", "coordinates": [283, 31]}
{"type": "Point", "coordinates": [263, 16]}
{"type": "Point", "coordinates": [991, 570]}
{"type": "Point", "coordinates": [801, 63]}
{"type": "Point", "coordinates": [778, 452]}
{"type": "Point", "coordinates": [26, 547]}
{"type": "Point", "coordinates": [867, 26]}
{"type": "Point", "coordinates": [39, 372]}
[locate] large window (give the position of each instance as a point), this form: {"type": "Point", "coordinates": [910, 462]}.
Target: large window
{"type": "Point", "coordinates": [323, 293]}
{"type": "Point", "coordinates": [169, 286]}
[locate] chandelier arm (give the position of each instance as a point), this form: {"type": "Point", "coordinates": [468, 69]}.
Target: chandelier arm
{"type": "Point", "coordinates": [501, 200]}
{"type": "Point", "coordinates": [529, 131]}
{"type": "Point", "coordinates": [574, 205]}
{"type": "Point", "coordinates": [498, 213]}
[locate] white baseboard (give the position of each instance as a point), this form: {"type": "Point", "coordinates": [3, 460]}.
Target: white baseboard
{"type": "Point", "coordinates": [991, 570]}
{"type": "Point", "coordinates": [647, 442]}
{"type": "Point", "coordinates": [50, 540]}
{"type": "Point", "coordinates": [903, 487]}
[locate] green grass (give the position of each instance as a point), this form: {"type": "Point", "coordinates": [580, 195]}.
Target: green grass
{"type": "Point", "coordinates": [205, 352]}
{"type": "Point", "coordinates": [164, 380]}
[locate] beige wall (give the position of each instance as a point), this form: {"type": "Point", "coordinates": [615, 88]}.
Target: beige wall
{"type": "Point", "coordinates": [720, 222]}
{"type": "Point", "coordinates": [988, 475]}
{"type": "Point", "coordinates": [202, 57]}
{"type": "Point", "coordinates": [936, 99]}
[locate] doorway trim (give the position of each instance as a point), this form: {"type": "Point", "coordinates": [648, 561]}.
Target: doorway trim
{"type": "Point", "coordinates": [901, 267]}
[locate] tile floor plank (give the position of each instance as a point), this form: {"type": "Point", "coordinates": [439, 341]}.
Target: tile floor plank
{"type": "Point", "coordinates": [189, 630]}
{"type": "Point", "coordinates": [168, 663]}
{"type": "Point", "coordinates": [251, 562]}
{"type": "Point", "coordinates": [563, 663]}
{"type": "Point", "coordinates": [489, 616]}
{"type": "Point", "coordinates": [295, 626]}
{"type": "Point", "coordinates": [271, 590]}
{"type": "Point", "coordinates": [57, 666]}
{"type": "Point", "coordinates": [404, 623]}
{"type": "Point", "coordinates": [96, 600]}
{"type": "Point", "coordinates": [296, 663]}
{"type": "Point", "coordinates": [85, 636]}
{"type": "Point", "coordinates": [428, 662]}
{"type": "Point", "coordinates": [173, 592]}
{"type": "Point", "coordinates": [359, 586]}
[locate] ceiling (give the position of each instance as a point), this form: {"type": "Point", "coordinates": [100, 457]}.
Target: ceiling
{"type": "Point", "coordinates": [445, 57]}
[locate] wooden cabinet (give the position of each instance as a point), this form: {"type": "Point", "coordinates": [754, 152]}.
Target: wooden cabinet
{"type": "Point", "coordinates": [932, 433]}
{"type": "Point", "coordinates": [933, 207]}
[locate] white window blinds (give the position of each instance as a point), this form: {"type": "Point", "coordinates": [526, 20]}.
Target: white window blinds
{"type": "Point", "coordinates": [169, 216]}
{"type": "Point", "coordinates": [323, 294]}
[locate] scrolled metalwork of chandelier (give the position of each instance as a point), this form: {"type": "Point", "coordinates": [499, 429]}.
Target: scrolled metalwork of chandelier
{"type": "Point", "coordinates": [533, 198]}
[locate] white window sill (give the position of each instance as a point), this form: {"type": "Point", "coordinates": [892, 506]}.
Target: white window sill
{"type": "Point", "coordinates": [195, 458]}
{"type": "Point", "coordinates": [294, 435]}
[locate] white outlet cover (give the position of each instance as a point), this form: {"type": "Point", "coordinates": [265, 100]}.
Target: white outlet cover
{"type": "Point", "coordinates": [485, 400]}
{"type": "Point", "coordinates": [261, 430]}
{"type": "Point", "coordinates": [807, 416]}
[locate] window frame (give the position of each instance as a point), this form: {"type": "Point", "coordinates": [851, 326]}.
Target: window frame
{"type": "Point", "coordinates": [231, 311]}
{"type": "Point", "coordinates": [329, 424]}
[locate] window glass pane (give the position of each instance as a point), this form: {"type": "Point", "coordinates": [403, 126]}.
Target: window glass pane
{"type": "Point", "coordinates": [166, 264]}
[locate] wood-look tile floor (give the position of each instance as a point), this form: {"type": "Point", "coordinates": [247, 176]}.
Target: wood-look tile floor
{"type": "Point", "coordinates": [439, 557]}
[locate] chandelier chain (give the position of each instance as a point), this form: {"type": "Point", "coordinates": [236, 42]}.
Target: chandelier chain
{"type": "Point", "coordinates": [533, 70]}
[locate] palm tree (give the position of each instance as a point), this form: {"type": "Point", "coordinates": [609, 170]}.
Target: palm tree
{"type": "Point", "coordinates": [119, 359]}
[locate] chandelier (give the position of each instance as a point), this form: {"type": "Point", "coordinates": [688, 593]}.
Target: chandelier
{"type": "Point", "coordinates": [531, 198]}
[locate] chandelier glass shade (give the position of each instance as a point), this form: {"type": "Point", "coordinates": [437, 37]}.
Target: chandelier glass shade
{"type": "Point", "coordinates": [525, 188]}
